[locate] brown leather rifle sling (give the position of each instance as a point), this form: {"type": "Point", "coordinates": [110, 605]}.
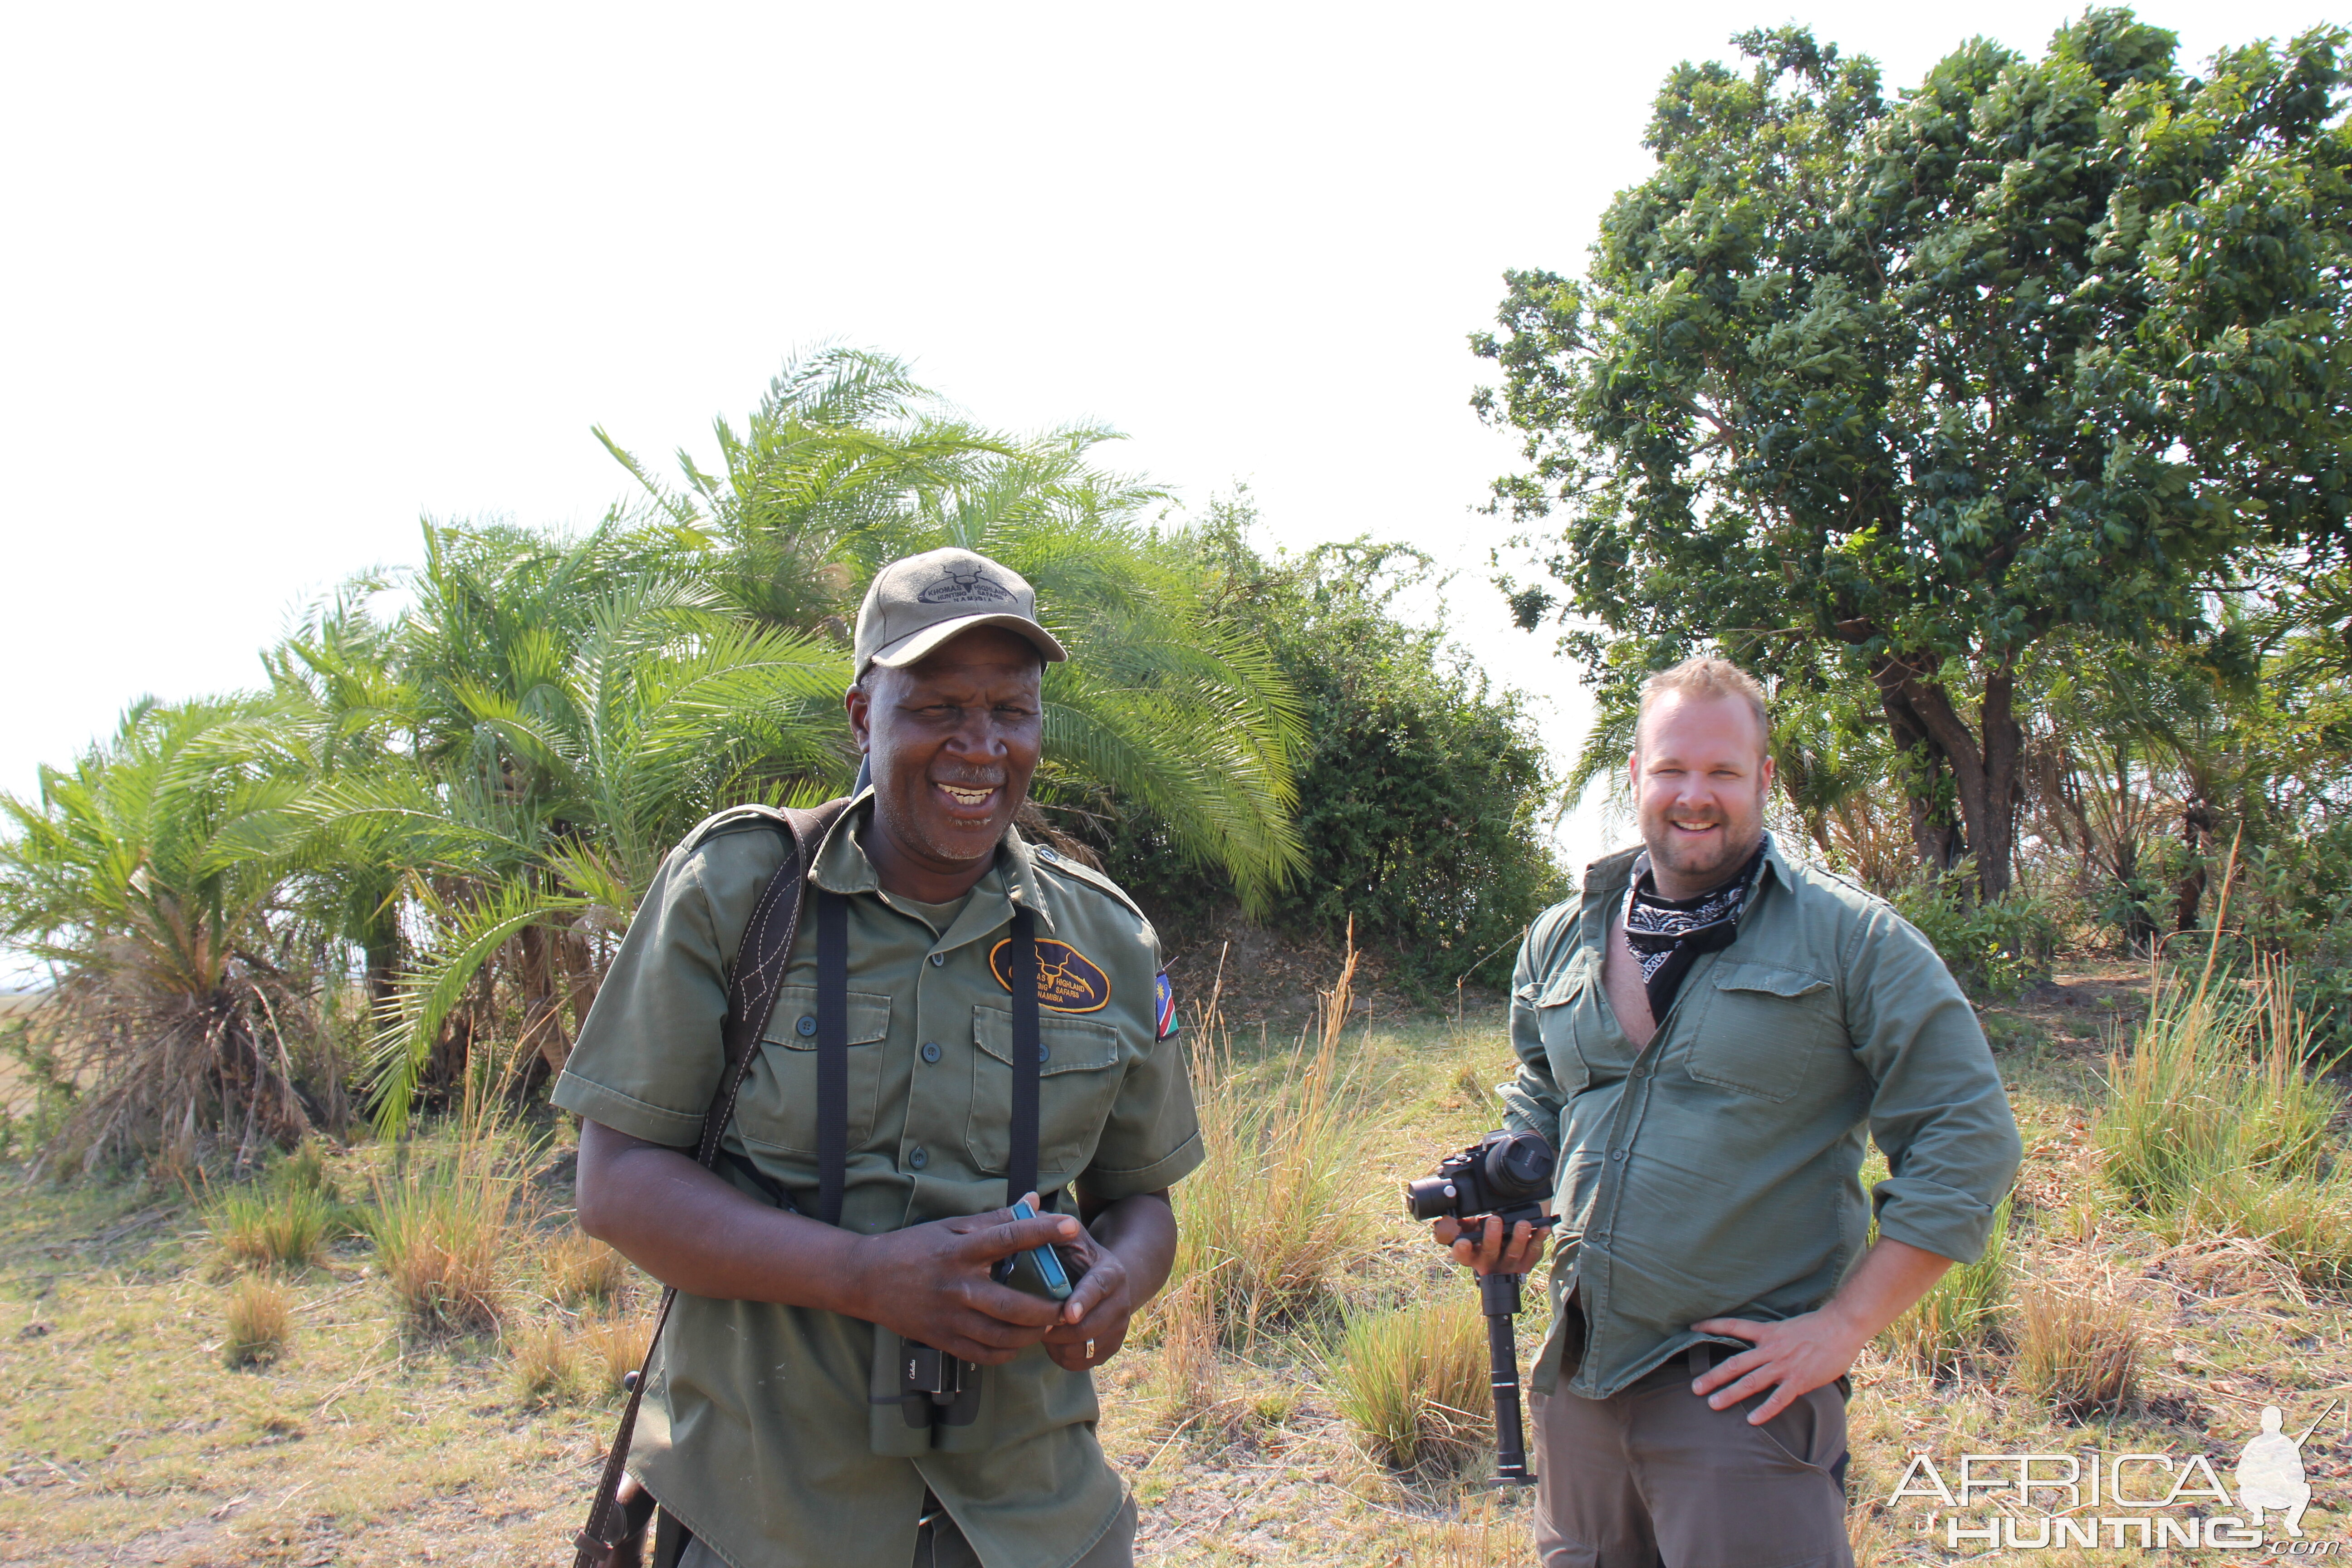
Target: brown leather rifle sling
{"type": "Point", "coordinates": [752, 988]}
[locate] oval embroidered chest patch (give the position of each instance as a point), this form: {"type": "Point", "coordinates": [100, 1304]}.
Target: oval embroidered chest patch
{"type": "Point", "coordinates": [1068, 980]}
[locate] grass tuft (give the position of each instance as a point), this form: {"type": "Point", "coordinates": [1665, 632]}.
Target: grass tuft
{"type": "Point", "coordinates": [546, 1363]}
{"type": "Point", "coordinates": [270, 1226]}
{"type": "Point", "coordinates": [1413, 1383]}
{"type": "Point", "coordinates": [581, 1270]}
{"type": "Point", "coordinates": [443, 1225]}
{"type": "Point", "coordinates": [2078, 1348]}
{"type": "Point", "coordinates": [612, 1346]}
{"type": "Point", "coordinates": [260, 1323]}
{"type": "Point", "coordinates": [1275, 1216]}
{"type": "Point", "coordinates": [2305, 1222]}
{"type": "Point", "coordinates": [2215, 1089]}
{"type": "Point", "coordinates": [1192, 1378]}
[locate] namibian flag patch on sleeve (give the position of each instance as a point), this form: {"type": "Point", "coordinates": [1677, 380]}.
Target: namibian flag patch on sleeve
{"type": "Point", "coordinates": [1164, 1009]}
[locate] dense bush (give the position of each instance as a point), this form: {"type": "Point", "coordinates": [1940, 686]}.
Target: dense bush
{"type": "Point", "coordinates": [1994, 947]}
{"type": "Point", "coordinates": [1421, 789]}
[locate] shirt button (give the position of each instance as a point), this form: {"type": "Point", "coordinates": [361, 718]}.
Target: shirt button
{"type": "Point", "coordinates": [807, 1026]}
{"type": "Point", "coordinates": [930, 1050]}
{"type": "Point", "coordinates": [938, 958]}
{"type": "Point", "coordinates": [1616, 1153]}
{"type": "Point", "coordinates": [920, 1158]}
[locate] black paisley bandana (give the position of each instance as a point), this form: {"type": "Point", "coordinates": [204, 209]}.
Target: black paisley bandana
{"type": "Point", "coordinates": [1668, 935]}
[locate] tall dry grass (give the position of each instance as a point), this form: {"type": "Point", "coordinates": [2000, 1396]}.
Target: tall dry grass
{"type": "Point", "coordinates": [260, 1322]}
{"type": "Point", "coordinates": [612, 1346]}
{"type": "Point", "coordinates": [2217, 1089]}
{"type": "Point", "coordinates": [446, 1219]}
{"type": "Point", "coordinates": [1413, 1383]}
{"type": "Point", "coordinates": [546, 1361]}
{"type": "Point", "coordinates": [1274, 1214]}
{"type": "Point", "coordinates": [1192, 1374]}
{"type": "Point", "coordinates": [580, 1269]}
{"type": "Point", "coordinates": [2077, 1347]}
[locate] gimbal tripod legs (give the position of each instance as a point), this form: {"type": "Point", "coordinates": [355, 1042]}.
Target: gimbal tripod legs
{"type": "Point", "coordinates": [1498, 1297]}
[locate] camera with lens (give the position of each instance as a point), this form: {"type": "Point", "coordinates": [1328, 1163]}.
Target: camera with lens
{"type": "Point", "coordinates": [1506, 1174]}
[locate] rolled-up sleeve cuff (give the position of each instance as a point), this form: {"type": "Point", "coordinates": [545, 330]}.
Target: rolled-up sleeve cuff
{"type": "Point", "coordinates": [1110, 1187]}
{"type": "Point", "coordinates": [1522, 1114]}
{"type": "Point", "coordinates": [654, 1123]}
{"type": "Point", "coordinates": [1933, 1217]}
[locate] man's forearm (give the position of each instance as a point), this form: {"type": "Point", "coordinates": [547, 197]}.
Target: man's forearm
{"type": "Point", "coordinates": [1891, 1276]}
{"type": "Point", "coordinates": [1142, 1230]}
{"type": "Point", "coordinates": [687, 1227]}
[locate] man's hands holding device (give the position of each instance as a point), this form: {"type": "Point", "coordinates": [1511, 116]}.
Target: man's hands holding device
{"type": "Point", "coordinates": [1488, 1254]}
{"type": "Point", "coordinates": [930, 1283]}
{"type": "Point", "coordinates": [935, 1284]}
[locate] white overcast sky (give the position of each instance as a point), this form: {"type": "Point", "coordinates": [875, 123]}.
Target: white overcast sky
{"type": "Point", "coordinates": [280, 280]}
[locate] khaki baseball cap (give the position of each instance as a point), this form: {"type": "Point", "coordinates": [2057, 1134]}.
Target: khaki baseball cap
{"type": "Point", "coordinates": [917, 604]}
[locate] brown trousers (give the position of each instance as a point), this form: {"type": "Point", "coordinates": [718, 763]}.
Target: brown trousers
{"type": "Point", "coordinates": [1650, 1478]}
{"type": "Point", "coordinates": [939, 1545]}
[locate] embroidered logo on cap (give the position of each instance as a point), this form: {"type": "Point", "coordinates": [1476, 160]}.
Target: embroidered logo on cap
{"type": "Point", "coordinates": [1068, 980]}
{"type": "Point", "coordinates": [973, 586]}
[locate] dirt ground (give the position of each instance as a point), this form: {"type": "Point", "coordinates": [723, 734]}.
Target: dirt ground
{"type": "Point", "coordinates": [128, 1441]}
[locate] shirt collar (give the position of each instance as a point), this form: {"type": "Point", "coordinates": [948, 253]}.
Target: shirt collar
{"type": "Point", "coordinates": [842, 867]}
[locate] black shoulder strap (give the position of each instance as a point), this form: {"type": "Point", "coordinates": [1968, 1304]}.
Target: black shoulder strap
{"type": "Point", "coordinates": [1020, 1164]}
{"type": "Point", "coordinates": [832, 1053]}
{"type": "Point", "coordinates": [752, 988]}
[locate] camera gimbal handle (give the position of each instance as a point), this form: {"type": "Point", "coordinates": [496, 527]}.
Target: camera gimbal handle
{"type": "Point", "coordinates": [1498, 1297]}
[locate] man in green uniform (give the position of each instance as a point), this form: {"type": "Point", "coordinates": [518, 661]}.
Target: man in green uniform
{"type": "Point", "coordinates": [773, 1429]}
{"type": "Point", "coordinates": [1705, 1034]}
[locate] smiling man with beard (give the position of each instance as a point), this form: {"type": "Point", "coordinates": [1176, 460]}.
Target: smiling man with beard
{"type": "Point", "coordinates": [1705, 1034]}
{"type": "Point", "coordinates": [844, 1381]}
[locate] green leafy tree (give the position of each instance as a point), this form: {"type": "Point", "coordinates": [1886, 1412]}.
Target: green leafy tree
{"type": "Point", "coordinates": [1423, 792]}
{"type": "Point", "coordinates": [572, 706]}
{"type": "Point", "coordinates": [151, 876]}
{"type": "Point", "coordinates": [2042, 344]}
{"type": "Point", "coordinates": [1164, 707]}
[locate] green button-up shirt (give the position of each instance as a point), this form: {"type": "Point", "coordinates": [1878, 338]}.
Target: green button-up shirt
{"type": "Point", "coordinates": [760, 1428]}
{"type": "Point", "coordinates": [1717, 1172]}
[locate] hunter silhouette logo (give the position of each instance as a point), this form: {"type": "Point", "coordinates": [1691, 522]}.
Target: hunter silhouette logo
{"type": "Point", "coordinates": [2270, 1473]}
{"type": "Point", "coordinates": [971, 585]}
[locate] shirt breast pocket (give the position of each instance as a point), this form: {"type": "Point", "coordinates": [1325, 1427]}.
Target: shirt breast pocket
{"type": "Point", "coordinates": [777, 1109]}
{"type": "Point", "coordinates": [1763, 1027]}
{"type": "Point", "coordinates": [1077, 1081]}
{"type": "Point", "coordinates": [1565, 1006]}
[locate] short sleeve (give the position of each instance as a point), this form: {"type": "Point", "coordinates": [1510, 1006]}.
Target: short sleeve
{"type": "Point", "coordinates": [650, 1055]}
{"type": "Point", "coordinates": [1153, 1139]}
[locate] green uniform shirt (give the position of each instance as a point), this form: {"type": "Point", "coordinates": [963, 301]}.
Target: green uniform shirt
{"type": "Point", "coordinates": [758, 1428]}
{"type": "Point", "coordinates": [1717, 1172]}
